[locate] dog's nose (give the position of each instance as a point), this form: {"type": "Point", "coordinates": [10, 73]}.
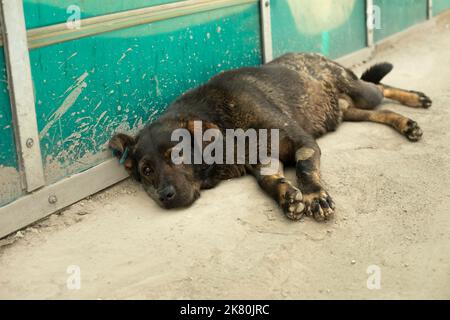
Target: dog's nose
{"type": "Point", "coordinates": [167, 194]}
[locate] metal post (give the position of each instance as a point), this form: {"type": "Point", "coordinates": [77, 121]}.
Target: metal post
{"type": "Point", "coordinates": [266, 31]}
{"type": "Point", "coordinates": [430, 9]}
{"type": "Point", "coordinates": [21, 92]}
{"type": "Point", "coordinates": [370, 23]}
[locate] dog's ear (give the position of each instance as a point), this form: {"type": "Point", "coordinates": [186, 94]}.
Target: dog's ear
{"type": "Point", "coordinates": [205, 125]}
{"type": "Point", "coordinates": [121, 145]}
{"type": "Point", "coordinates": [193, 125]}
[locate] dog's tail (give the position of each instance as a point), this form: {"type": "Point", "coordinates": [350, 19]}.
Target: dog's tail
{"type": "Point", "coordinates": [377, 72]}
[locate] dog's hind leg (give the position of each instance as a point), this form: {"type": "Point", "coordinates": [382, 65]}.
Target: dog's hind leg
{"type": "Point", "coordinates": [279, 188]}
{"type": "Point", "coordinates": [413, 99]}
{"type": "Point", "coordinates": [407, 127]}
{"type": "Point", "coordinates": [364, 95]}
{"type": "Point", "coordinates": [376, 73]}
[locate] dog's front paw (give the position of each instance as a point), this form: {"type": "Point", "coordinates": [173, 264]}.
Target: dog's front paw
{"type": "Point", "coordinates": [293, 206]}
{"type": "Point", "coordinates": [319, 205]}
{"type": "Point", "coordinates": [412, 131]}
{"type": "Point", "coordinates": [423, 100]}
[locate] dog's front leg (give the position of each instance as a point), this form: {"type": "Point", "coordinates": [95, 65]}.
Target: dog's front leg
{"type": "Point", "coordinates": [317, 201]}
{"type": "Point", "coordinates": [279, 188]}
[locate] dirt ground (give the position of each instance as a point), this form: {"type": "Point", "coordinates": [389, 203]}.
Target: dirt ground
{"type": "Point", "coordinates": [393, 214]}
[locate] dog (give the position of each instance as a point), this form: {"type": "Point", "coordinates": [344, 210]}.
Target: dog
{"type": "Point", "coordinates": [302, 95]}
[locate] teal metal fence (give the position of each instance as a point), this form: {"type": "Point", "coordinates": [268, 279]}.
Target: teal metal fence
{"type": "Point", "coordinates": [89, 88]}
{"type": "Point", "coordinates": [41, 13]}
{"type": "Point", "coordinates": [439, 6]}
{"type": "Point", "coordinates": [398, 15]}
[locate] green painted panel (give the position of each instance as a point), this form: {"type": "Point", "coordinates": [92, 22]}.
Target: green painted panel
{"type": "Point", "coordinates": [10, 188]}
{"type": "Point", "coordinates": [89, 88]}
{"type": "Point", "coordinates": [398, 15]}
{"type": "Point", "coordinates": [440, 6]}
{"type": "Point", "coordinates": [39, 13]}
{"type": "Point", "coordinates": [333, 28]}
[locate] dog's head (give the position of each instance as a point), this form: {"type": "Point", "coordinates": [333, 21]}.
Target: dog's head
{"type": "Point", "coordinates": [148, 158]}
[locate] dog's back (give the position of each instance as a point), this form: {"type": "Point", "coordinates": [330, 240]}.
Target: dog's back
{"type": "Point", "coordinates": [295, 90]}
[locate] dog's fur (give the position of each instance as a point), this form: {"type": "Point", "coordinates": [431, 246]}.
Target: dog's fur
{"type": "Point", "coordinates": [302, 95]}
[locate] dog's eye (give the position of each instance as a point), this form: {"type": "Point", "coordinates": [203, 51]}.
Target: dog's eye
{"type": "Point", "coordinates": [147, 171]}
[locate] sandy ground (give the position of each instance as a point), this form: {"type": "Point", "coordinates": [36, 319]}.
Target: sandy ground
{"type": "Point", "coordinates": [393, 213]}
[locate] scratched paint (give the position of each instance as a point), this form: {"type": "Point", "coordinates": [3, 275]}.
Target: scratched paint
{"type": "Point", "coordinates": [333, 28]}
{"type": "Point", "coordinates": [90, 88]}
{"type": "Point", "coordinates": [73, 92]}
{"type": "Point", "coordinates": [10, 185]}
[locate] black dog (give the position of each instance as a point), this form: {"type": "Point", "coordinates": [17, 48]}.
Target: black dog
{"type": "Point", "coordinates": [302, 95]}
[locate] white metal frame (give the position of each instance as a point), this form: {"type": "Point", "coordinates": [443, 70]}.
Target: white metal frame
{"type": "Point", "coordinates": [369, 23]}
{"type": "Point", "coordinates": [57, 33]}
{"type": "Point", "coordinates": [21, 93]}
{"type": "Point", "coordinates": [266, 31]}
{"type": "Point", "coordinates": [59, 195]}
{"type": "Point", "coordinates": [430, 9]}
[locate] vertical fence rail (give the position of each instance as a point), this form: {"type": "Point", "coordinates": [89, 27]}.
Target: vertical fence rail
{"type": "Point", "coordinates": [21, 93]}
{"type": "Point", "coordinates": [370, 23]}
{"type": "Point", "coordinates": [266, 31]}
{"type": "Point", "coordinates": [430, 9]}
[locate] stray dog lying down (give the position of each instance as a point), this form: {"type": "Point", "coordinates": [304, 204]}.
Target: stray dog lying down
{"type": "Point", "coordinates": [302, 96]}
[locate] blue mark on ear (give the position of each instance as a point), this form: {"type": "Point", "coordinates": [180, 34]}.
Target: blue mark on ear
{"type": "Point", "coordinates": [124, 156]}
